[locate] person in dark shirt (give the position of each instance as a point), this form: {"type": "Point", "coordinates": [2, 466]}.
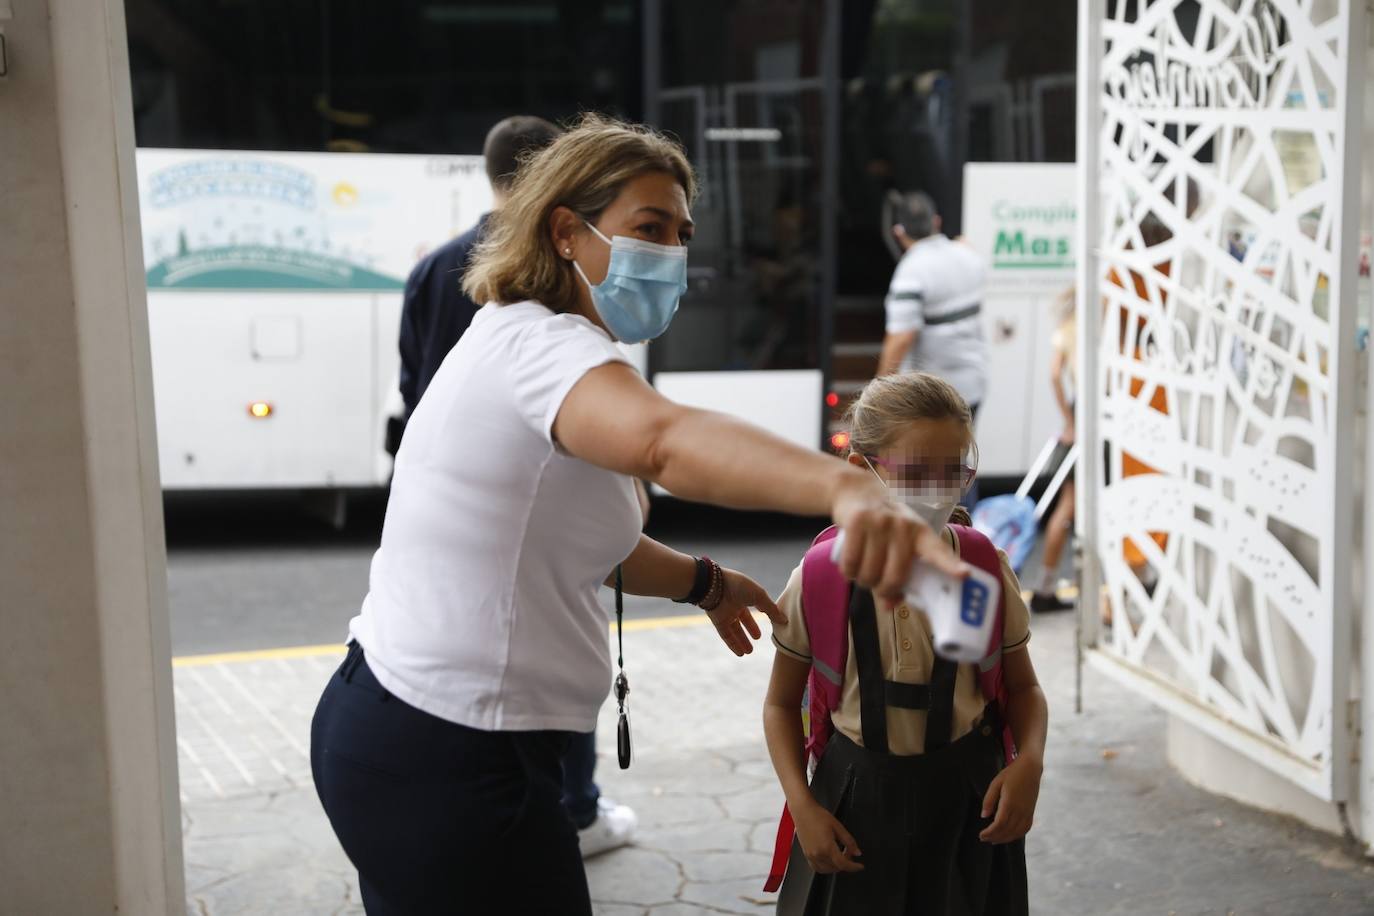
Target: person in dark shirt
{"type": "Point", "coordinates": [434, 314]}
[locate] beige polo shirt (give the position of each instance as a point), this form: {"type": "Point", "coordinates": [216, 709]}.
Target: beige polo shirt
{"type": "Point", "coordinates": [905, 645]}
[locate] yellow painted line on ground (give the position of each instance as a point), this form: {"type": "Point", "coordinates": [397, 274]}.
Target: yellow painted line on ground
{"type": "Point", "coordinates": [665, 623]}
{"type": "Point", "coordinates": [287, 652]}
{"type": "Point", "coordinates": [257, 655]}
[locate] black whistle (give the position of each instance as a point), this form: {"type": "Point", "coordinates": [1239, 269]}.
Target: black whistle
{"type": "Point", "coordinates": [622, 741]}
{"type": "Point", "coordinates": [622, 732]}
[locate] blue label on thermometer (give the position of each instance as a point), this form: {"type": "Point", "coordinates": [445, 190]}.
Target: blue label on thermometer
{"type": "Point", "coordinates": [975, 602]}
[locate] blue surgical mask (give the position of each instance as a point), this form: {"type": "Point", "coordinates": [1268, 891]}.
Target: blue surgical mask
{"type": "Point", "coordinates": [638, 298]}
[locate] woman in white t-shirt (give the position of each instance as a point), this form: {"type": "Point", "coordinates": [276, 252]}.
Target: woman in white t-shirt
{"type": "Point", "coordinates": [481, 646]}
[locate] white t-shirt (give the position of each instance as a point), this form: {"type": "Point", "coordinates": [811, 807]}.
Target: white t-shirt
{"type": "Point", "coordinates": [483, 604]}
{"type": "Point", "coordinates": [937, 289]}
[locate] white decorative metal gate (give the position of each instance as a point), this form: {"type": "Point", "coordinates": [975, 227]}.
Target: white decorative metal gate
{"type": "Point", "coordinates": [1218, 336]}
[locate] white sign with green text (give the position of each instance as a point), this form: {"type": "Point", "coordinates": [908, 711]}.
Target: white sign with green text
{"type": "Point", "coordinates": [1020, 218]}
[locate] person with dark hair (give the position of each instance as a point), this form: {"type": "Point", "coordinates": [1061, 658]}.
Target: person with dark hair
{"type": "Point", "coordinates": [934, 305]}
{"type": "Point", "coordinates": [434, 316]}
{"type": "Point", "coordinates": [436, 311]}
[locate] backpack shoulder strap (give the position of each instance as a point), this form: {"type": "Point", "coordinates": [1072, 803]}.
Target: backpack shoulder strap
{"type": "Point", "coordinates": [976, 549]}
{"type": "Point", "coordinates": [825, 602]}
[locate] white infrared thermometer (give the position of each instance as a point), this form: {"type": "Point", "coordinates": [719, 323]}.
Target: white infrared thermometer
{"type": "Point", "coordinates": [962, 612]}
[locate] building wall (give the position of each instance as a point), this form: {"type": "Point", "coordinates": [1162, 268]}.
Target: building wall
{"type": "Point", "coordinates": [87, 762]}
{"type": "Point", "coordinates": [1211, 765]}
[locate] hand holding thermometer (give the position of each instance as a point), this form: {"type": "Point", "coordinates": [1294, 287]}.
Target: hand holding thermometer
{"type": "Point", "coordinates": [962, 612]}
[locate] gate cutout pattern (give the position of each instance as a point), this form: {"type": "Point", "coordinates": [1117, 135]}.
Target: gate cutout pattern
{"type": "Point", "coordinates": [1221, 163]}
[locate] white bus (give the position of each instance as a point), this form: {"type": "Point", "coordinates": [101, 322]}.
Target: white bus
{"type": "Point", "coordinates": [274, 296]}
{"type": "Point", "coordinates": [297, 158]}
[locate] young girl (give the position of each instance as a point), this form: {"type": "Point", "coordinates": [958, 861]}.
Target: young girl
{"type": "Point", "coordinates": [912, 808]}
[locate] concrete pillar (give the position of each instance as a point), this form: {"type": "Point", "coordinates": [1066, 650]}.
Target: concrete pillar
{"type": "Point", "coordinates": [88, 781]}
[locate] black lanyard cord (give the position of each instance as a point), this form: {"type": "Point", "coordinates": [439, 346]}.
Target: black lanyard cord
{"type": "Point", "coordinates": [620, 618]}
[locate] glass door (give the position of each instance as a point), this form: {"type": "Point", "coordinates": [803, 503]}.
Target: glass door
{"type": "Point", "coordinates": [739, 82]}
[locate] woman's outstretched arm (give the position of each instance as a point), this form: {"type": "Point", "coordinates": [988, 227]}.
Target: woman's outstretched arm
{"type": "Point", "coordinates": [614, 419]}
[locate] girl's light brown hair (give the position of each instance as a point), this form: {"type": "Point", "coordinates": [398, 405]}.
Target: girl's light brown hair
{"type": "Point", "coordinates": [583, 170]}
{"type": "Point", "coordinates": [881, 412]}
{"type": "Point", "coordinates": [888, 403]}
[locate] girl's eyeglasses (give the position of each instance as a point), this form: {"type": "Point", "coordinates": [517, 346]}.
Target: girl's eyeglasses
{"type": "Point", "coordinates": [928, 473]}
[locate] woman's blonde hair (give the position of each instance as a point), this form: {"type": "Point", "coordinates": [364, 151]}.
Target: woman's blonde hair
{"type": "Point", "coordinates": [583, 170]}
{"type": "Point", "coordinates": [888, 403]}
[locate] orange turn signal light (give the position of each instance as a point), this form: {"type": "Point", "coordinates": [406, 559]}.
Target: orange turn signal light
{"type": "Point", "coordinates": [260, 410]}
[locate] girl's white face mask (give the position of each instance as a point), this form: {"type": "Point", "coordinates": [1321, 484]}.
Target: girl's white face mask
{"type": "Point", "coordinates": [933, 504]}
{"type": "Point", "coordinates": [930, 489]}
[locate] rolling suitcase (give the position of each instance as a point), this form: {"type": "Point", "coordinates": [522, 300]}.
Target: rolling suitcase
{"type": "Point", "coordinates": [1010, 521]}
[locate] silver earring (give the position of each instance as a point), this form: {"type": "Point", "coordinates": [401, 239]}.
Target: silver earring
{"type": "Point", "coordinates": [568, 252]}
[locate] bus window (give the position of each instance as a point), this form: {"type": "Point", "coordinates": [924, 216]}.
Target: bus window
{"type": "Point", "coordinates": [905, 83]}
{"type": "Point", "coordinates": [741, 86]}
{"type": "Point", "coordinates": [898, 127]}
{"type": "Point", "coordinates": [1021, 82]}
{"type": "Point", "coordinates": [355, 76]}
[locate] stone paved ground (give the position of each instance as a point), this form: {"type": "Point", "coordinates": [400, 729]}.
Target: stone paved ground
{"type": "Point", "coordinates": [1118, 832]}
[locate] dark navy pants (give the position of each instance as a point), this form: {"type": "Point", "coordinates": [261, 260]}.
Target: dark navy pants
{"type": "Point", "coordinates": [580, 793]}
{"type": "Point", "coordinates": [439, 818]}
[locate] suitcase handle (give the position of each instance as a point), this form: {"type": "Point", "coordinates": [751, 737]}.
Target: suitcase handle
{"type": "Point", "coordinates": [1037, 466]}
{"type": "Point", "coordinates": [1057, 481]}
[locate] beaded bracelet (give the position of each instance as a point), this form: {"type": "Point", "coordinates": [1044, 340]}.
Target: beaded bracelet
{"type": "Point", "coordinates": [716, 593]}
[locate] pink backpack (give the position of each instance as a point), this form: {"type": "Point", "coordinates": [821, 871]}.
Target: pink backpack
{"type": "Point", "coordinates": [825, 602]}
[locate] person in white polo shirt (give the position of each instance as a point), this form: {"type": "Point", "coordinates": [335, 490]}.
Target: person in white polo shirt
{"type": "Point", "coordinates": [934, 306]}
{"type": "Point", "coordinates": [481, 647]}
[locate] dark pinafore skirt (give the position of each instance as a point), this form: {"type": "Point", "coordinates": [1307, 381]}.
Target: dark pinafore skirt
{"type": "Point", "coordinates": [916, 818]}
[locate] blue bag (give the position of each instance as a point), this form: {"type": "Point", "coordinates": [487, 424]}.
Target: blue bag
{"type": "Point", "coordinates": [1010, 522]}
